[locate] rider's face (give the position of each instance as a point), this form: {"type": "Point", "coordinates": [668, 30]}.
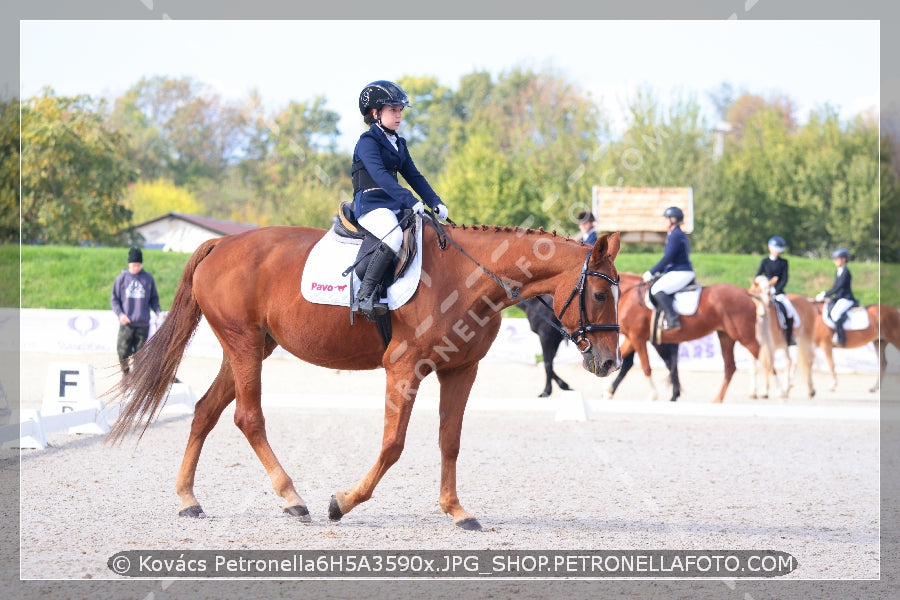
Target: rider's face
{"type": "Point", "coordinates": [391, 116]}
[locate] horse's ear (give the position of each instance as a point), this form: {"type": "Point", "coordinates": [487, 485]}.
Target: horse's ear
{"type": "Point", "coordinates": [609, 243]}
{"type": "Point", "coordinates": [773, 280]}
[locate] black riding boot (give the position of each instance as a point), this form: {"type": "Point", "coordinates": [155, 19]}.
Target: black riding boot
{"type": "Point", "coordinates": [789, 331]}
{"type": "Point", "coordinates": [666, 303]}
{"type": "Point", "coordinates": [839, 329]}
{"type": "Point", "coordinates": [368, 298]}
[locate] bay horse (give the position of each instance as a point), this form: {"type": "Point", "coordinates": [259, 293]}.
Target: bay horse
{"type": "Point", "coordinates": [546, 326]}
{"type": "Point", "coordinates": [771, 339]}
{"type": "Point", "coordinates": [724, 308]}
{"type": "Point", "coordinates": [883, 329]}
{"type": "Point", "coordinates": [247, 287]}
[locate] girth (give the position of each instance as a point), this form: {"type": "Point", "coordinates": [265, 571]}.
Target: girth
{"type": "Point", "coordinates": [361, 178]}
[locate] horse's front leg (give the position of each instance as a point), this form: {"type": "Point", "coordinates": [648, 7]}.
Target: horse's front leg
{"type": "Point", "coordinates": [754, 391]}
{"type": "Point", "coordinates": [399, 399]}
{"type": "Point", "coordinates": [456, 384]}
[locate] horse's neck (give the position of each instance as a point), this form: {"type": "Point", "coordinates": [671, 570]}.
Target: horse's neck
{"type": "Point", "coordinates": [529, 262]}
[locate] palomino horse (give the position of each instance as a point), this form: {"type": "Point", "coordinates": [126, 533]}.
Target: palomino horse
{"type": "Point", "coordinates": [547, 327]}
{"type": "Point", "coordinates": [883, 329]}
{"type": "Point", "coordinates": [724, 308]}
{"type": "Point", "coordinates": [246, 286]}
{"type": "Point", "coordinates": [771, 338]}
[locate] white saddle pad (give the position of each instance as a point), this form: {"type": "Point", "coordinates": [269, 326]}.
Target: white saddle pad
{"type": "Point", "coordinates": [323, 281]}
{"type": "Point", "coordinates": [686, 301]}
{"type": "Point", "coordinates": [857, 318]}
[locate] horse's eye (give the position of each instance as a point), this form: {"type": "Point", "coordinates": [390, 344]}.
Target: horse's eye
{"type": "Point", "coordinates": [599, 296]}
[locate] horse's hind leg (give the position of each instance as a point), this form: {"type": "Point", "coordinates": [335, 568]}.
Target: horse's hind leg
{"type": "Point", "coordinates": [550, 350]}
{"type": "Point", "coordinates": [246, 354]}
{"type": "Point", "coordinates": [206, 414]}
{"type": "Point", "coordinates": [727, 344]}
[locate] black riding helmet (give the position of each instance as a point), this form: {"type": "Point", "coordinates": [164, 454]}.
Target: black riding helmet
{"type": "Point", "coordinates": [381, 93]}
{"type": "Point", "coordinates": [673, 212]}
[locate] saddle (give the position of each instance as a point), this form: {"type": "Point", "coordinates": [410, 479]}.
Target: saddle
{"type": "Point", "coordinates": [345, 225]}
{"type": "Point", "coordinates": [685, 302]}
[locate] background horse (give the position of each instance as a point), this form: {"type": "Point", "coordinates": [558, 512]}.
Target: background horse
{"type": "Point", "coordinates": [545, 324]}
{"type": "Point", "coordinates": [247, 288]}
{"type": "Point", "coordinates": [883, 329]}
{"type": "Point", "coordinates": [771, 339]}
{"type": "Point", "coordinates": [724, 308]}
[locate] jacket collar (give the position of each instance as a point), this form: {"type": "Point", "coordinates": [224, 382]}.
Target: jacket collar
{"type": "Point", "coordinates": [378, 133]}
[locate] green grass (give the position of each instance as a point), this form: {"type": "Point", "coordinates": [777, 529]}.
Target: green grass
{"type": "Point", "coordinates": [70, 277]}
{"type": "Point", "coordinates": [67, 277]}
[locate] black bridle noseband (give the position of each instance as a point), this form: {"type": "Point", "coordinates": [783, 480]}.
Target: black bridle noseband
{"type": "Point", "coordinates": [584, 327]}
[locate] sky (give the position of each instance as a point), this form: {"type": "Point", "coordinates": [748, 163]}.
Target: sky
{"type": "Point", "coordinates": [813, 63]}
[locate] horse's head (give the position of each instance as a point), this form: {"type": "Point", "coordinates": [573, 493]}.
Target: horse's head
{"type": "Point", "coordinates": [761, 292]}
{"type": "Point", "coordinates": [590, 310]}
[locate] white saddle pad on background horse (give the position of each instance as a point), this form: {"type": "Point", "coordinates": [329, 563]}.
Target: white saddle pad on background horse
{"type": "Point", "coordinates": [686, 301]}
{"type": "Point", "coordinates": [323, 281]}
{"type": "Point", "coordinates": [857, 318]}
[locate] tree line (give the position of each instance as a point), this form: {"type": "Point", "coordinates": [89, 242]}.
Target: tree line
{"type": "Point", "coordinates": [519, 148]}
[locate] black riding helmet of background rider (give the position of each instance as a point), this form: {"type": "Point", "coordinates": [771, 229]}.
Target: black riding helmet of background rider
{"type": "Point", "coordinates": [673, 212]}
{"type": "Point", "coordinates": [379, 94]}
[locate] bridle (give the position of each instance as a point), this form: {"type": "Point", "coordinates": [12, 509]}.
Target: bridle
{"type": "Point", "coordinates": [584, 326]}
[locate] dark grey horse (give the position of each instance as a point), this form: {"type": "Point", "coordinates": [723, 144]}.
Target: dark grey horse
{"type": "Point", "coordinates": [545, 324]}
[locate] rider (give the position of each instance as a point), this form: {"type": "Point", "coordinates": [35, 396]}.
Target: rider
{"type": "Point", "coordinates": [378, 196]}
{"type": "Point", "coordinates": [586, 225]}
{"type": "Point", "coordinates": [842, 299]}
{"type": "Point", "coordinates": [775, 266]}
{"type": "Point", "coordinates": [675, 266]}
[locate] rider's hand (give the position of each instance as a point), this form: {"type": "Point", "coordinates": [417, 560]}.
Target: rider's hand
{"type": "Point", "coordinates": [820, 296]}
{"type": "Point", "coordinates": [442, 212]}
{"type": "Point", "coordinates": [418, 208]}
{"type": "Point", "coordinates": [647, 275]}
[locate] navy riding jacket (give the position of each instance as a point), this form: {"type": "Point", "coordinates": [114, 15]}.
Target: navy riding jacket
{"type": "Point", "coordinates": [841, 287]}
{"type": "Point", "coordinates": [772, 268]}
{"type": "Point", "coordinates": [383, 161]}
{"type": "Point", "coordinates": [676, 256]}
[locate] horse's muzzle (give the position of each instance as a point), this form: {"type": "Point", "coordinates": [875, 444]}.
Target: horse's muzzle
{"type": "Point", "coordinates": [599, 365]}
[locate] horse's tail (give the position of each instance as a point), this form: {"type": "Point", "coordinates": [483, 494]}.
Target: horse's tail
{"type": "Point", "coordinates": [155, 364]}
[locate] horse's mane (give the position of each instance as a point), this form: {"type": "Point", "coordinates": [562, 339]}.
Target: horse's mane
{"type": "Point", "coordinates": [514, 229]}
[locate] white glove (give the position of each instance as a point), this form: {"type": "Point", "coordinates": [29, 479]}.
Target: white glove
{"type": "Point", "coordinates": [820, 296]}
{"type": "Point", "coordinates": [647, 275]}
{"type": "Point", "coordinates": [442, 212]}
{"type": "Point", "coordinates": [419, 208]}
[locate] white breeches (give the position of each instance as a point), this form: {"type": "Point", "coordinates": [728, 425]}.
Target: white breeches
{"type": "Point", "coordinates": [671, 282]}
{"type": "Point", "coordinates": [382, 223]}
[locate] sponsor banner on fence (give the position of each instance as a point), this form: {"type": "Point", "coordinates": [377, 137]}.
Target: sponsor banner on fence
{"type": "Point", "coordinates": [94, 332]}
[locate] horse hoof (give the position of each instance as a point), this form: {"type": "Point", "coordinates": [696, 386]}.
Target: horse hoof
{"type": "Point", "coordinates": [544, 395]}
{"type": "Point", "coordinates": [470, 524]}
{"type": "Point", "coordinates": [334, 513]}
{"type": "Point", "coordinates": [192, 511]}
{"type": "Point", "coordinates": [299, 511]}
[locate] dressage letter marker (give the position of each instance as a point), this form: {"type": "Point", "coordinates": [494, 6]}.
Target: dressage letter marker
{"type": "Point", "coordinates": [70, 388]}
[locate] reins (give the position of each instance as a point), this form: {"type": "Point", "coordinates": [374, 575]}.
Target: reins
{"type": "Point", "coordinates": [513, 293]}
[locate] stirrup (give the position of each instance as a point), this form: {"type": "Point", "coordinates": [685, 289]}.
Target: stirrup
{"type": "Point", "coordinates": [369, 307]}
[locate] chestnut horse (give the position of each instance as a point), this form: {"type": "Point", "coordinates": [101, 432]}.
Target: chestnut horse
{"type": "Point", "coordinates": [724, 308]}
{"type": "Point", "coordinates": [771, 339]}
{"type": "Point", "coordinates": [247, 287]}
{"type": "Point", "coordinates": [883, 329]}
